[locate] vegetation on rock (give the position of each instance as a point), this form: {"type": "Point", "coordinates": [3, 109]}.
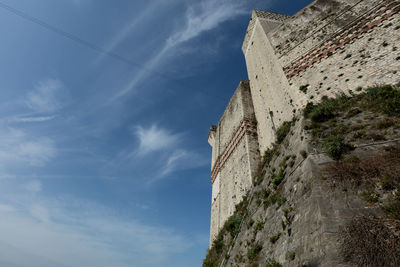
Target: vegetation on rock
{"type": "Point", "coordinates": [336, 126]}
{"type": "Point", "coordinates": [335, 123]}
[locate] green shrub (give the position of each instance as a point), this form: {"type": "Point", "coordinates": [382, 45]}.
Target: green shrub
{"type": "Point", "coordinates": [271, 199]}
{"type": "Point", "coordinates": [283, 131]}
{"type": "Point", "coordinates": [308, 108]}
{"type": "Point", "coordinates": [219, 243]}
{"type": "Point", "coordinates": [353, 112]}
{"type": "Point", "coordinates": [340, 129]}
{"type": "Point", "coordinates": [393, 209]}
{"type": "Point", "coordinates": [336, 146]}
{"type": "Point", "coordinates": [213, 254]}
{"type": "Point", "coordinates": [276, 179]}
{"type": "Point", "coordinates": [384, 124]}
{"type": "Point", "coordinates": [266, 197]}
{"type": "Point", "coordinates": [388, 183]}
{"type": "Point", "coordinates": [211, 259]}
{"type": "Point", "coordinates": [361, 134]}
{"type": "Point", "coordinates": [225, 235]}
{"type": "Point", "coordinates": [292, 255]}
{"type": "Point", "coordinates": [232, 224]}
{"type": "Point", "coordinates": [258, 179]}
{"type": "Point", "coordinates": [268, 155]}
{"type": "Point", "coordinates": [280, 200]}
{"type": "Point", "coordinates": [258, 226]}
{"type": "Point", "coordinates": [272, 263]}
{"type": "Point", "coordinates": [370, 196]}
{"type": "Point", "coordinates": [253, 251]}
{"type": "Point", "coordinates": [322, 112]}
{"type": "Point", "coordinates": [304, 88]}
{"type": "Point", "coordinates": [397, 195]}
{"type": "Point", "coordinates": [385, 99]}
{"type": "Point", "coordinates": [274, 238]}
{"type": "Point", "coordinates": [250, 223]}
{"type": "Point", "coordinates": [241, 208]}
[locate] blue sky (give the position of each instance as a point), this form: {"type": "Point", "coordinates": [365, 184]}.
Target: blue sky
{"type": "Point", "coordinates": [103, 162]}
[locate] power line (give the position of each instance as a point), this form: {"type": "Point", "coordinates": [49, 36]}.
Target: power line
{"type": "Point", "coordinates": [88, 44]}
{"type": "Point", "coordinates": [77, 39]}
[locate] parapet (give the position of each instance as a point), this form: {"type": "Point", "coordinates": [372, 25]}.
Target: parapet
{"type": "Point", "coordinates": [270, 15]}
{"type": "Point", "coordinates": [271, 18]}
{"type": "Point", "coordinates": [211, 135]}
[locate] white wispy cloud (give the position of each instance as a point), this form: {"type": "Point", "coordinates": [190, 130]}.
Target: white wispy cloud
{"type": "Point", "coordinates": [74, 232]}
{"type": "Point", "coordinates": [155, 138]}
{"type": "Point", "coordinates": [4, 176]}
{"type": "Point", "coordinates": [181, 159]}
{"type": "Point", "coordinates": [31, 119]}
{"type": "Point", "coordinates": [200, 17]}
{"type": "Point", "coordinates": [6, 208]}
{"type": "Point", "coordinates": [178, 160]}
{"type": "Point", "coordinates": [46, 96]}
{"type": "Point", "coordinates": [34, 186]}
{"type": "Point", "coordinates": [205, 16]}
{"type": "Point", "coordinates": [18, 147]}
{"type": "Point", "coordinates": [40, 213]}
{"type": "Point", "coordinates": [36, 152]}
{"type": "Point", "coordinates": [172, 152]}
{"type": "Point", "coordinates": [130, 27]}
{"type": "Point", "coordinates": [173, 161]}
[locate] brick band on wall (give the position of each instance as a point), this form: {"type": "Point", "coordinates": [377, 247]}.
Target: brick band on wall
{"type": "Point", "coordinates": [246, 127]}
{"type": "Point", "coordinates": [348, 34]}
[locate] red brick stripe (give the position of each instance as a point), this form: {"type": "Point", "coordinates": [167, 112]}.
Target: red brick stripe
{"type": "Point", "coordinates": [246, 127]}
{"type": "Point", "coordinates": [347, 35]}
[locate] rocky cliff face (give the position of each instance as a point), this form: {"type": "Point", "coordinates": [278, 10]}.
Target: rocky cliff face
{"type": "Point", "coordinates": [327, 193]}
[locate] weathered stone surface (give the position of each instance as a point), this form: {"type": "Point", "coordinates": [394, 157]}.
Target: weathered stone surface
{"type": "Point", "coordinates": [316, 211]}
{"type": "Point", "coordinates": [235, 156]}
{"type": "Point", "coordinates": [331, 47]}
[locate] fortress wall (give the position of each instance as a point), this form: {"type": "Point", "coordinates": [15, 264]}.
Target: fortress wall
{"type": "Point", "coordinates": [239, 107]}
{"type": "Point", "coordinates": [235, 139]}
{"type": "Point", "coordinates": [364, 53]}
{"type": "Point", "coordinates": [359, 45]}
{"type": "Point", "coordinates": [215, 209]}
{"type": "Point", "coordinates": [314, 24]}
{"type": "Point", "coordinates": [314, 47]}
{"type": "Point", "coordinates": [363, 62]}
{"type": "Point", "coordinates": [269, 86]}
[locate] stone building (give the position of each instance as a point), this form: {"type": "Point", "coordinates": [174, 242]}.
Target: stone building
{"type": "Point", "coordinates": [329, 47]}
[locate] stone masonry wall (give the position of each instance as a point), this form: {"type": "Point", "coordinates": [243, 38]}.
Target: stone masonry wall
{"type": "Point", "coordinates": [328, 48]}
{"type": "Point", "coordinates": [268, 83]}
{"type": "Point", "coordinates": [355, 46]}
{"type": "Point", "coordinates": [313, 24]}
{"type": "Point", "coordinates": [235, 147]}
{"type": "Point", "coordinates": [362, 54]}
{"type": "Point", "coordinates": [332, 46]}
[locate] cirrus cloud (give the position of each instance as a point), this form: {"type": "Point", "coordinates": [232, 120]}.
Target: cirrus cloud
{"type": "Point", "coordinates": [48, 96]}
{"type": "Point", "coordinates": [155, 138]}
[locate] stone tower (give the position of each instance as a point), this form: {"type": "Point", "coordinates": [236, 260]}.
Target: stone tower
{"type": "Point", "coordinates": [235, 156]}
{"type": "Point", "coordinates": [268, 82]}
